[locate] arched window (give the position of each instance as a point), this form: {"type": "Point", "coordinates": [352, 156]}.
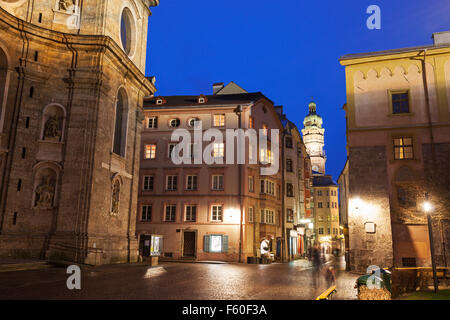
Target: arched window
{"type": "Point", "coordinates": [127, 31]}
{"type": "Point", "coordinates": [121, 121]}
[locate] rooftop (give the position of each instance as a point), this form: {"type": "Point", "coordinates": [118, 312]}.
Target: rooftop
{"type": "Point", "coordinates": [323, 181]}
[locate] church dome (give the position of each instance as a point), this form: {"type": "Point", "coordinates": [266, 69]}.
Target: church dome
{"type": "Point", "coordinates": [312, 119]}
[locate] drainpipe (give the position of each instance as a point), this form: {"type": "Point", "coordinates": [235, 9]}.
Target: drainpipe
{"type": "Point", "coordinates": [238, 112]}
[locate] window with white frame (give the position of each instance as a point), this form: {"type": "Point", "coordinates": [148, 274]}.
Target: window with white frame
{"type": "Point", "coordinates": [146, 212]}
{"type": "Point", "coordinates": [190, 213]}
{"type": "Point", "coordinates": [171, 182]}
{"type": "Point", "coordinates": [152, 122]}
{"type": "Point", "coordinates": [216, 212]}
{"type": "Point", "coordinates": [219, 120]}
{"type": "Point", "coordinates": [267, 216]}
{"type": "Point", "coordinates": [148, 183]}
{"type": "Point", "coordinates": [217, 182]}
{"type": "Point", "coordinates": [150, 151]}
{"type": "Point", "coordinates": [251, 185]}
{"type": "Point", "coordinates": [290, 215]}
{"type": "Point", "coordinates": [171, 211]}
{"type": "Point", "coordinates": [191, 182]}
{"type": "Point", "coordinates": [216, 243]}
{"type": "Point", "coordinates": [251, 216]}
{"type": "Point", "coordinates": [265, 155]}
{"type": "Point", "coordinates": [268, 187]}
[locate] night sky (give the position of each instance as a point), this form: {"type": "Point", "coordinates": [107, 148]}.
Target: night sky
{"type": "Point", "coordinates": [289, 50]}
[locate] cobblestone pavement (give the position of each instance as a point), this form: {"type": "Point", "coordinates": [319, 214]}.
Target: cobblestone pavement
{"type": "Point", "coordinates": [169, 281]}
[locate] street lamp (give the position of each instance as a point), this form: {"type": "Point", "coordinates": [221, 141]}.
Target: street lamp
{"type": "Point", "coordinates": [427, 207]}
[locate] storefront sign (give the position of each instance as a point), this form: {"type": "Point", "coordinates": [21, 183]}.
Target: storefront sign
{"type": "Point", "coordinates": [293, 234]}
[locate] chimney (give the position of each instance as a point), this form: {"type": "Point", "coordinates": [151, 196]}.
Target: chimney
{"type": "Point", "coordinates": [441, 38]}
{"type": "Point", "coordinates": [217, 87]}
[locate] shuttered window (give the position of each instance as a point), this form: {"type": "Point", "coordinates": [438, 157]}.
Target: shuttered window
{"type": "Point", "coordinates": [215, 243]}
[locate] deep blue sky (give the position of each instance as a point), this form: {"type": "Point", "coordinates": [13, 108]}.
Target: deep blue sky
{"type": "Point", "coordinates": [288, 50]}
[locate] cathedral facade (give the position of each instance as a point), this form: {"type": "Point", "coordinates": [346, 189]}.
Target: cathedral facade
{"type": "Point", "coordinates": [72, 85]}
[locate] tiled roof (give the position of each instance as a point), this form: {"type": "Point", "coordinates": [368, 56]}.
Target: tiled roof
{"type": "Point", "coordinates": [323, 181]}
{"type": "Point", "coordinates": [212, 100]}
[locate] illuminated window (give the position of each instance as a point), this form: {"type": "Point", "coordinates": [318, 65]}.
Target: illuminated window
{"type": "Point", "coordinates": [150, 151]}
{"type": "Point", "coordinates": [215, 243]}
{"type": "Point", "coordinates": [251, 122]}
{"type": "Point", "coordinates": [266, 155]}
{"type": "Point", "coordinates": [170, 215]}
{"type": "Point", "coordinates": [400, 102]}
{"type": "Point", "coordinates": [146, 213]}
{"type": "Point", "coordinates": [290, 215]}
{"type": "Point", "coordinates": [219, 120]}
{"type": "Point", "coordinates": [152, 122]}
{"type": "Point", "coordinates": [265, 131]}
{"type": "Point", "coordinates": [218, 150]}
{"type": "Point", "coordinates": [217, 182]}
{"type": "Point", "coordinates": [216, 213]}
{"type": "Point", "coordinates": [403, 148]}
{"type": "Point", "coordinates": [148, 183]}
{"type": "Point", "coordinates": [191, 213]}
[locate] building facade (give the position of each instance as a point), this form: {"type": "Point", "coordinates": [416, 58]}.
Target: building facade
{"type": "Point", "coordinates": [295, 160]}
{"type": "Point", "coordinates": [398, 141]}
{"type": "Point", "coordinates": [72, 84]}
{"type": "Point", "coordinates": [215, 211]}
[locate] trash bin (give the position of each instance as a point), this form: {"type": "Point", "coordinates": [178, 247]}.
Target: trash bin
{"type": "Point", "coordinates": [382, 293]}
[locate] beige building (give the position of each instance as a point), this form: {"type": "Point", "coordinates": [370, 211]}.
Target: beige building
{"type": "Point", "coordinates": [225, 212]}
{"type": "Point", "coordinates": [398, 143]}
{"type": "Point", "coordinates": [72, 84]}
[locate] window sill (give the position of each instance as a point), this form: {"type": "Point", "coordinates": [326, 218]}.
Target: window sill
{"type": "Point", "coordinates": [406, 114]}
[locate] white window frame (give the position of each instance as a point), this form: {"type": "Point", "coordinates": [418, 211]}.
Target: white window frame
{"type": "Point", "coordinates": [154, 121]}
{"type": "Point", "coordinates": [219, 120]}
{"type": "Point", "coordinates": [172, 184]}
{"type": "Point", "coordinates": [216, 183]}
{"type": "Point", "coordinates": [145, 183]}
{"type": "Point", "coordinates": [174, 213]}
{"type": "Point", "coordinates": [190, 206]}
{"type": "Point", "coordinates": [215, 212]}
{"type": "Point", "coordinates": [150, 151]}
{"type": "Point", "coordinates": [190, 186]}
{"type": "Point", "coordinates": [145, 208]}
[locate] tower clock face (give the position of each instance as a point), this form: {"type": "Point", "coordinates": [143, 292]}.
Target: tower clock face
{"type": "Point", "coordinates": [315, 168]}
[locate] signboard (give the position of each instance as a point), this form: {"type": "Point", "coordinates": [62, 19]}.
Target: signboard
{"type": "Point", "coordinates": [301, 231]}
{"type": "Point", "coordinates": [293, 234]}
{"type": "Point", "coordinates": [370, 227]}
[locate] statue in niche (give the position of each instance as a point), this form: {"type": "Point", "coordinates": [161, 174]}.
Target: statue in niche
{"type": "Point", "coordinates": [66, 5]}
{"type": "Point", "coordinates": [45, 193]}
{"type": "Point", "coordinates": [51, 129]}
{"type": "Point", "coordinates": [115, 198]}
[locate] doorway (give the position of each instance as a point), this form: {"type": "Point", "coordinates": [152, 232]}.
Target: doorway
{"type": "Point", "coordinates": [189, 244]}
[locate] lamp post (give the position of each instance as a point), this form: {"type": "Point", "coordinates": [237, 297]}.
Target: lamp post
{"type": "Point", "coordinates": [427, 208]}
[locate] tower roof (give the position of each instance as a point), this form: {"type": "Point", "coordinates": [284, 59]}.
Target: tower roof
{"type": "Point", "coordinates": [312, 119]}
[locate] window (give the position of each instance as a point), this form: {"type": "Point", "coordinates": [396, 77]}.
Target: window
{"type": "Point", "coordinates": [120, 126]}
{"type": "Point", "coordinates": [328, 218]}
{"type": "Point", "coordinates": [250, 214]}
{"type": "Point", "coordinates": [290, 215]}
{"type": "Point", "coordinates": [215, 243]}
{"type": "Point", "coordinates": [319, 192]}
{"type": "Point", "coordinates": [251, 187]}
{"type": "Point", "coordinates": [319, 205]}
{"type": "Point", "coordinates": [267, 216]}
{"type": "Point", "coordinates": [146, 213]}
{"type": "Point", "coordinates": [150, 151]}
{"type": "Point", "coordinates": [320, 230]}
{"type": "Point", "coordinates": [268, 187]}
{"type": "Point", "coordinates": [127, 31]}
{"type": "Point", "coordinates": [192, 121]}
{"type": "Point", "coordinates": [289, 190]}
{"type": "Point", "coordinates": [403, 148]}
{"type": "Point", "coordinates": [173, 123]}
{"type": "Point", "coordinates": [216, 213]}
{"type": "Point", "coordinates": [251, 122]}
{"type": "Point", "coordinates": [328, 204]}
{"type": "Point", "coordinates": [328, 229]}
{"type": "Point", "coordinates": [191, 182]}
{"type": "Point", "coordinates": [219, 120]}
{"type": "Point", "coordinates": [152, 123]}
{"type": "Point", "coordinates": [218, 150]}
{"type": "Point", "coordinates": [328, 193]}
{"type": "Point", "coordinates": [289, 165]}
{"type": "Point", "coordinates": [289, 142]}
{"type": "Point", "coordinates": [170, 148]}
{"type": "Point", "coordinates": [265, 131]}
{"type": "Point", "coordinates": [400, 102]}
{"type": "Point", "coordinates": [266, 155]}
{"type": "Point", "coordinates": [171, 210]}
{"type": "Point", "coordinates": [148, 183]}
{"type": "Point", "coordinates": [172, 182]}
{"type": "Point", "coordinates": [406, 198]}
{"type": "Point", "coordinates": [217, 182]}
{"type": "Point", "coordinates": [191, 213]}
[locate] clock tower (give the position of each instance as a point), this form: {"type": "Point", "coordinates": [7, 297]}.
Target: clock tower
{"type": "Point", "coordinates": [313, 136]}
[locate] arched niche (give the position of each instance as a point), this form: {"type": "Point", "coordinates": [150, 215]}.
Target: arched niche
{"type": "Point", "coordinates": [45, 185]}
{"type": "Point", "coordinates": [53, 123]}
{"type": "Point", "coordinates": [116, 188]}
{"type": "Point", "coordinates": [120, 123]}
